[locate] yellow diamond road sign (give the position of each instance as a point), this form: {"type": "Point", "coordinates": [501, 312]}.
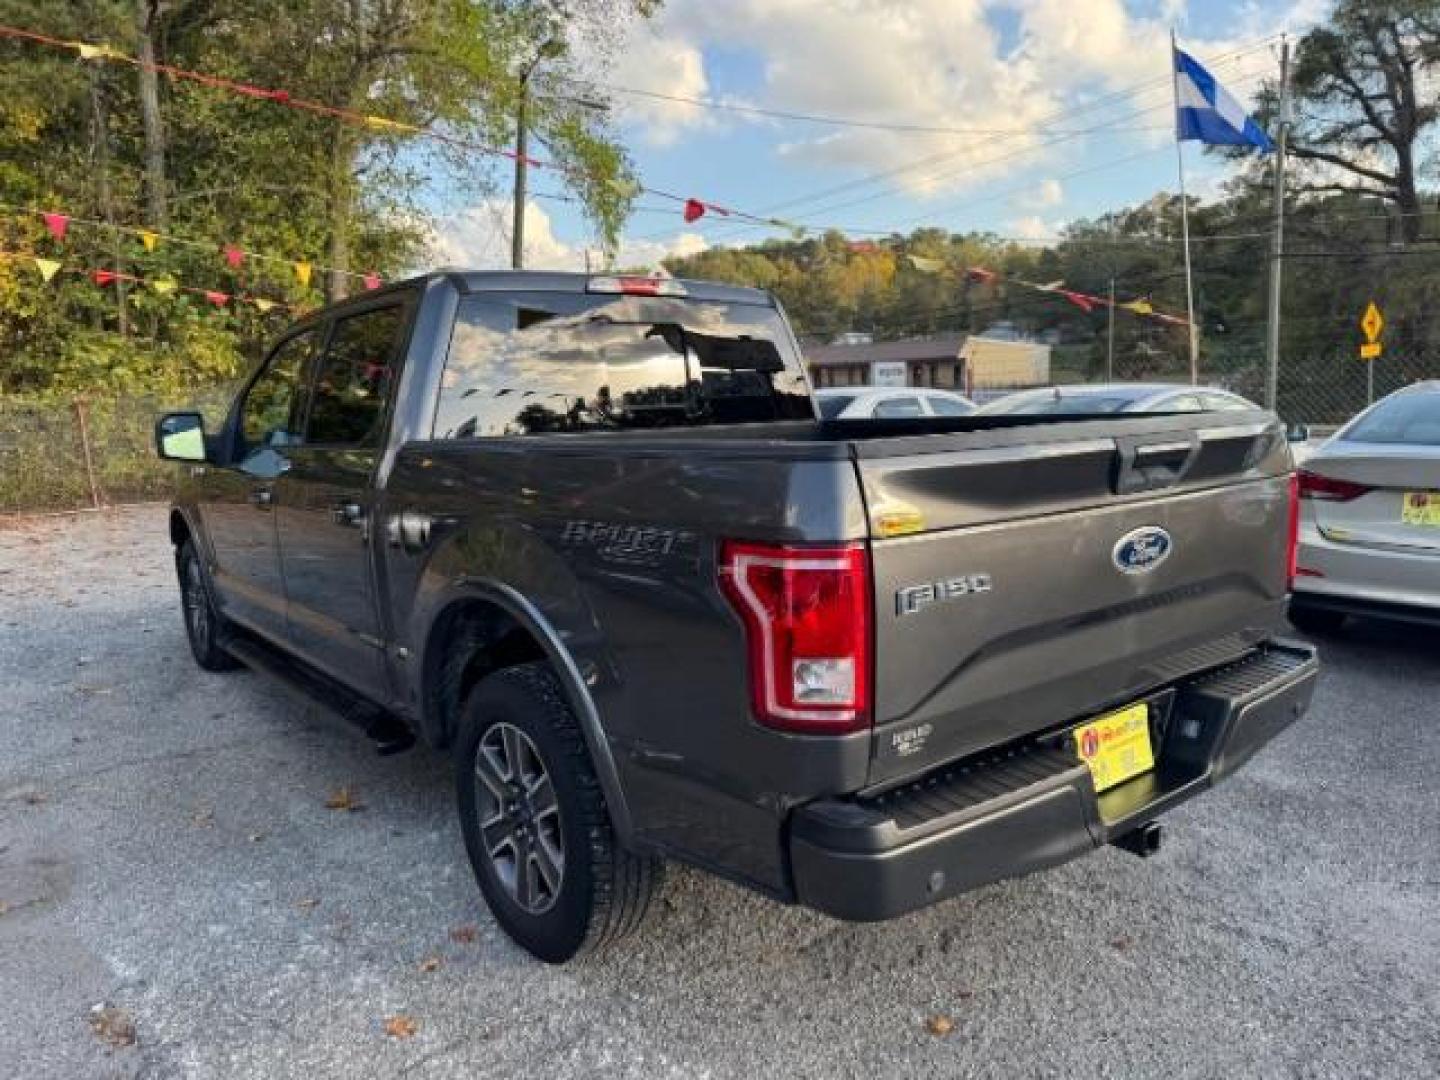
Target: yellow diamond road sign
{"type": "Point", "coordinates": [1372, 322]}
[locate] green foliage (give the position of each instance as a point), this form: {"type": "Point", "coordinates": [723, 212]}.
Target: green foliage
{"type": "Point", "coordinates": [242, 170]}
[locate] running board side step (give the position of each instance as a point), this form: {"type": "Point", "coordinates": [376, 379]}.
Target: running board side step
{"type": "Point", "coordinates": [389, 734]}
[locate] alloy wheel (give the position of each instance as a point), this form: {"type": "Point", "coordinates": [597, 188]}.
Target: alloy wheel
{"type": "Point", "coordinates": [519, 818]}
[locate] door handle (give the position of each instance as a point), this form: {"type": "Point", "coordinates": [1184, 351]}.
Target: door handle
{"type": "Point", "coordinates": [262, 497]}
{"type": "Point", "coordinates": [349, 514]}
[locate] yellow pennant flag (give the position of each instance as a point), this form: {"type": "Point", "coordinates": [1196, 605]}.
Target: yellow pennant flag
{"type": "Point", "coordinates": [149, 239]}
{"type": "Point", "coordinates": [302, 273]}
{"type": "Point", "coordinates": [926, 264]}
{"type": "Point", "coordinates": [163, 286]}
{"type": "Point", "coordinates": [92, 52]}
{"type": "Point", "coordinates": [1139, 307]}
{"type": "Point", "coordinates": [381, 123]}
{"type": "Point", "coordinates": [625, 187]}
{"type": "Point", "coordinates": [48, 267]}
{"type": "Point", "coordinates": [262, 304]}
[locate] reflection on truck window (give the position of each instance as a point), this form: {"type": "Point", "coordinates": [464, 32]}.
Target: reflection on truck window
{"type": "Point", "coordinates": [569, 363]}
{"type": "Point", "coordinates": [354, 379]}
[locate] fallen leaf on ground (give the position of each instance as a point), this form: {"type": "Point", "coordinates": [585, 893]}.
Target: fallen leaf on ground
{"type": "Point", "coordinates": [204, 817]}
{"type": "Point", "coordinates": [465, 935]}
{"type": "Point", "coordinates": [400, 1027]}
{"type": "Point", "coordinates": [939, 1024]}
{"type": "Point", "coordinates": [113, 1025]}
{"type": "Point", "coordinates": [343, 799]}
{"type": "Point", "coordinates": [34, 798]}
{"type": "Point", "coordinates": [307, 903]}
{"type": "Point", "coordinates": [429, 964]}
{"type": "Point", "coordinates": [1120, 944]}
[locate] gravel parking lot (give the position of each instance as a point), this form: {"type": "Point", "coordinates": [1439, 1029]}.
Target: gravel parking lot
{"type": "Point", "coordinates": [167, 854]}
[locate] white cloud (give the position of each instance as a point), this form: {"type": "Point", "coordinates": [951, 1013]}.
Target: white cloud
{"type": "Point", "coordinates": [478, 238]}
{"type": "Point", "coordinates": [665, 64]}
{"type": "Point", "coordinates": [1030, 227]}
{"type": "Point", "coordinates": [1049, 192]}
{"type": "Point", "coordinates": [930, 63]}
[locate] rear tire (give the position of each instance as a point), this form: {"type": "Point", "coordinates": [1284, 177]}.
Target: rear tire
{"type": "Point", "coordinates": [203, 624]}
{"type": "Point", "coordinates": [535, 823]}
{"type": "Point", "coordinates": [1316, 620]}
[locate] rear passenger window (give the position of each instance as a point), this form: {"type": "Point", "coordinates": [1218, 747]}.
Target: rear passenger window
{"type": "Point", "coordinates": [538, 363]}
{"type": "Point", "coordinates": [896, 408]}
{"type": "Point", "coordinates": [355, 379]}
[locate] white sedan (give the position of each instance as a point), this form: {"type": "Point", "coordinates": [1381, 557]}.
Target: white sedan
{"type": "Point", "coordinates": [1370, 517]}
{"type": "Point", "coordinates": [890, 402]}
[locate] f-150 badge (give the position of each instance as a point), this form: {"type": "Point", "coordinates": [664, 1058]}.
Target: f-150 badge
{"type": "Point", "coordinates": [913, 598]}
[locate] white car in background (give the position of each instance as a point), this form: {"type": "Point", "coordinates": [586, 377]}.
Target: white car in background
{"type": "Point", "coordinates": [1089, 399]}
{"type": "Point", "coordinates": [1370, 517]}
{"type": "Point", "coordinates": [890, 402]}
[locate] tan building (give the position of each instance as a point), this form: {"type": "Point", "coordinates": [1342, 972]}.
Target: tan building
{"type": "Point", "coordinates": [928, 362]}
{"type": "Point", "coordinates": [1004, 362]}
{"type": "Point", "coordinates": [952, 361]}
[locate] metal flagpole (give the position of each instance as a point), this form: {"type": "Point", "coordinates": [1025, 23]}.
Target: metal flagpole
{"type": "Point", "coordinates": [1277, 241]}
{"type": "Point", "coordinates": [1184, 220]}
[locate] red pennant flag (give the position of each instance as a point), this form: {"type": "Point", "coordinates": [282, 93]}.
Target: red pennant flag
{"type": "Point", "coordinates": [103, 277]}
{"type": "Point", "coordinates": [694, 210]}
{"type": "Point", "coordinates": [57, 224]}
{"type": "Point", "coordinates": [372, 280]}
{"type": "Point", "coordinates": [219, 299]}
{"type": "Point", "coordinates": [977, 273]}
{"type": "Point", "coordinates": [234, 256]}
{"type": "Point", "coordinates": [1080, 300]}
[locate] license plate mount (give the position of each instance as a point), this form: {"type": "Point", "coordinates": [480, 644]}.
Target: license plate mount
{"type": "Point", "coordinates": [1421, 508]}
{"type": "Point", "coordinates": [1116, 746]}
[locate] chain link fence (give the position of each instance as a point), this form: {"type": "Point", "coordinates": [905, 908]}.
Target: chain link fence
{"type": "Point", "coordinates": [82, 452]}
{"type": "Point", "coordinates": [72, 453]}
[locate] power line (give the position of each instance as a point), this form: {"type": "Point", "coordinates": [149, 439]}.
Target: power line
{"type": "Point", "coordinates": [808, 118]}
{"type": "Point", "coordinates": [1044, 144]}
{"type": "Point", "coordinates": [1059, 115]}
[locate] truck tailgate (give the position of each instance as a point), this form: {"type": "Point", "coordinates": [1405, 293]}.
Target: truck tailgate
{"type": "Point", "coordinates": [1048, 573]}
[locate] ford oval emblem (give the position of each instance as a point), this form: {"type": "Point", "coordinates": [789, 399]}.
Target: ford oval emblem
{"type": "Point", "coordinates": [1141, 550]}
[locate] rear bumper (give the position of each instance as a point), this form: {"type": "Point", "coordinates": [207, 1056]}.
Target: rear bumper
{"type": "Point", "coordinates": [1034, 807]}
{"type": "Point", "coordinates": [1336, 575]}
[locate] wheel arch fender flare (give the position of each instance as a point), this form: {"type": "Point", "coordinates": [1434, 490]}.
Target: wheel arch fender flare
{"type": "Point", "coordinates": [572, 681]}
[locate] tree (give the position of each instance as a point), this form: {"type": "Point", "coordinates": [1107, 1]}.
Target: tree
{"type": "Point", "coordinates": [1363, 90]}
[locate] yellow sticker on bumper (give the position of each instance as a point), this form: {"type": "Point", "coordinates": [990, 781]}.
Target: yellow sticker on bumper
{"type": "Point", "coordinates": [1421, 508]}
{"type": "Point", "coordinates": [1116, 746]}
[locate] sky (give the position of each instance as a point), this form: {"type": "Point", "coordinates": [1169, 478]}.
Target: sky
{"type": "Point", "coordinates": [1006, 116]}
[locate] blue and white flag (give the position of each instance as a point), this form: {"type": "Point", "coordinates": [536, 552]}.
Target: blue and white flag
{"type": "Point", "coordinates": [1206, 111]}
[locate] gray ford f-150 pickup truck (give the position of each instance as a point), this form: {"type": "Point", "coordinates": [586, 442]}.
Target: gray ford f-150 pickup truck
{"type": "Point", "coordinates": [590, 534]}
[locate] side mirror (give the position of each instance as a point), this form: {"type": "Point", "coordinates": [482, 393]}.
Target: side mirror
{"type": "Point", "coordinates": [180, 436]}
{"type": "Point", "coordinates": [1298, 433]}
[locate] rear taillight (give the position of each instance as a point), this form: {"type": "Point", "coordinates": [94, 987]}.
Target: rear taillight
{"type": "Point", "coordinates": [1328, 489]}
{"type": "Point", "coordinates": [1292, 537]}
{"type": "Point", "coordinates": [807, 623]}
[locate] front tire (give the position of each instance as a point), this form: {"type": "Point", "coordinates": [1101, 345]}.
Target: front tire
{"type": "Point", "coordinates": [535, 823]}
{"type": "Point", "coordinates": [203, 624]}
{"type": "Point", "coordinates": [1315, 620]}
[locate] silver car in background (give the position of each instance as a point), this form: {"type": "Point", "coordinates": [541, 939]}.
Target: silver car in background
{"type": "Point", "coordinates": [890, 403]}
{"type": "Point", "coordinates": [1089, 399]}
{"type": "Point", "coordinates": [1370, 517]}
